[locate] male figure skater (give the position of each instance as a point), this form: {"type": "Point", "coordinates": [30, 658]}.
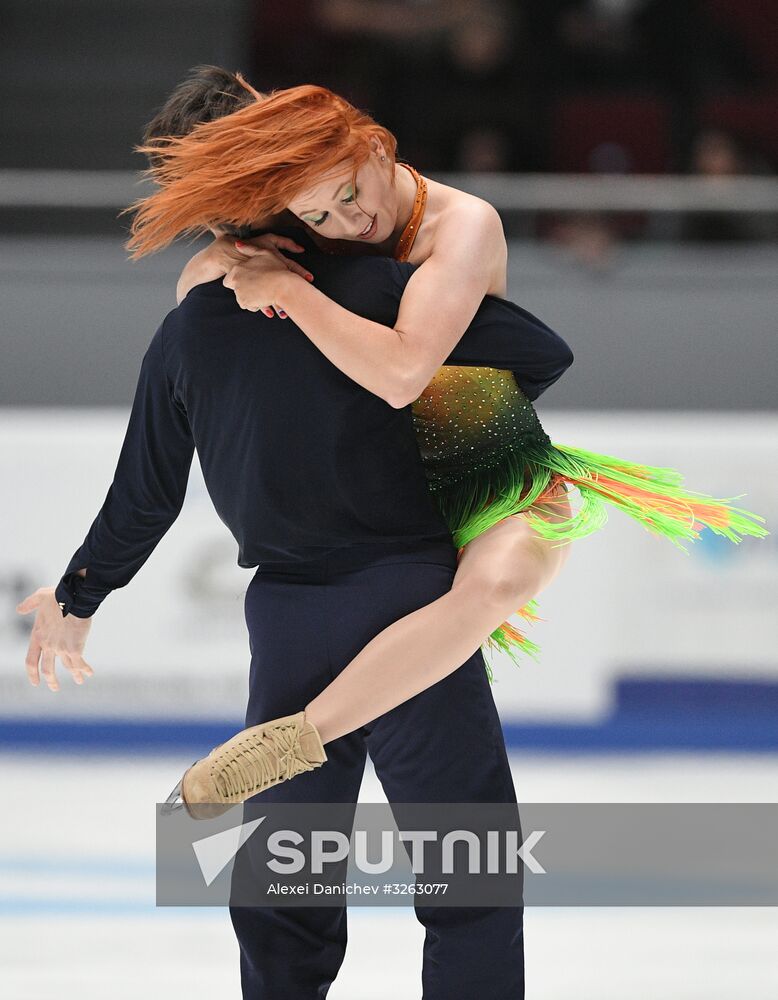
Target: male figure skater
{"type": "Point", "coordinates": [321, 484]}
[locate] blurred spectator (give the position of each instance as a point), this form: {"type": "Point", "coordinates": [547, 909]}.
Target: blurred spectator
{"type": "Point", "coordinates": [684, 49]}
{"type": "Point", "coordinates": [483, 150]}
{"type": "Point", "coordinates": [489, 125]}
{"type": "Point", "coordinates": [446, 78]}
{"type": "Point", "coordinates": [583, 44]}
{"type": "Point", "coordinates": [383, 56]}
{"type": "Point", "coordinates": [596, 40]}
{"type": "Point", "coordinates": [719, 155]}
{"type": "Point", "coordinates": [589, 238]}
{"type": "Point", "coordinates": [684, 54]}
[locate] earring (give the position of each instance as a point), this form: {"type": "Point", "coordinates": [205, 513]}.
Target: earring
{"type": "Point", "coordinates": [383, 157]}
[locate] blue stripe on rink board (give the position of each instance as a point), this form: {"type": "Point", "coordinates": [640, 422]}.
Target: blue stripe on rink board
{"type": "Point", "coordinates": [650, 714]}
{"type": "Point", "coordinates": [22, 907]}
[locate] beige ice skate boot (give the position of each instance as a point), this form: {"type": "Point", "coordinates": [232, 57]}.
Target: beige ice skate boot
{"type": "Point", "coordinates": [250, 762]}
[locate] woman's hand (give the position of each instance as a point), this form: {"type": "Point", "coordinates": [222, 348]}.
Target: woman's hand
{"type": "Point", "coordinates": [225, 252]}
{"type": "Point", "coordinates": [54, 636]}
{"type": "Point", "coordinates": [256, 279]}
{"type": "Point", "coordinates": [207, 265]}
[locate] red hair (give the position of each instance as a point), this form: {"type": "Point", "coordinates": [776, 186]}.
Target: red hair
{"type": "Point", "coordinates": [249, 164]}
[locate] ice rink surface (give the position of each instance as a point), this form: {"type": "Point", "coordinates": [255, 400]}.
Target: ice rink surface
{"type": "Point", "coordinates": [78, 919]}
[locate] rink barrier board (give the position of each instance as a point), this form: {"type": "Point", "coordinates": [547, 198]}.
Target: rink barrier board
{"type": "Point", "coordinates": [649, 715]}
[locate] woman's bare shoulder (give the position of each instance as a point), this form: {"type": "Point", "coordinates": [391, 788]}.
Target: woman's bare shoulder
{"type": "Point", "coordinates": [466, 221]}
{"type": "Point", "coordinates": [467, 231]}
{"type": "Point", "coordinates": [460, 228]}
{"type": "Point", "coordinates": [464, 218]}
{"type": "Point", "coordinates": [450, 201]}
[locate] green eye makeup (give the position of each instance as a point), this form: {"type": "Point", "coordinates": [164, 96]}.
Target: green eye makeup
{"type": "Point", "coordinates": [350, 197]}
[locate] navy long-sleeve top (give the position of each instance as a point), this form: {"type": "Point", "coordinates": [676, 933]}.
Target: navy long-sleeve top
{"type": "Point", "coordinates": [298, 459]}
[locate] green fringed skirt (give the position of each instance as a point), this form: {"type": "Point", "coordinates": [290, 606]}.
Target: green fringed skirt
{"type": "Point", "coordinates": [487, 457]}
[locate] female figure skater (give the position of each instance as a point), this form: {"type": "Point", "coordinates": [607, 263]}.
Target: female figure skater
{"type": "Point", "coordinates": [497, 477]}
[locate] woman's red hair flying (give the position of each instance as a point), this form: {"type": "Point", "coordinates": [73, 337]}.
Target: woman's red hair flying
{"type": "Point", "coordinates": [249, 164]}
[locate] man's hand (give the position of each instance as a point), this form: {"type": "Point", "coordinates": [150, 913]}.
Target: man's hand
{"type": "Point", "coordinates": [54, 636]}
{"type": "Point", "coordinates": [225, 252]}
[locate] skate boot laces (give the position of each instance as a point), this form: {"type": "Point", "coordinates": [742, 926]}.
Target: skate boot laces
{"type": "Point", "coordinates": [252, 763]}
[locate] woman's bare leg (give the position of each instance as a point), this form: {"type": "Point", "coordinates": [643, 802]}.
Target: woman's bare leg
{"type": "Point", "coordinates": [498, 572]}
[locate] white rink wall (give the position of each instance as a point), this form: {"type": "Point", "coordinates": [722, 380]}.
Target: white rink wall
{"type": "Point", "coordinates": [173, 644]}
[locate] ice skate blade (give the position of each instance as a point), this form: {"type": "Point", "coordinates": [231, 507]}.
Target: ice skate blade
{"type": "Point", "coordinates": [198, 810]}
{"type": "Point", "coordinates": [173, 802]}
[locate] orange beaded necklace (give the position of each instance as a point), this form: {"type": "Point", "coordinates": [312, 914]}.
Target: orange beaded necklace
{"type": "Point", "coordinates": [405, 242]}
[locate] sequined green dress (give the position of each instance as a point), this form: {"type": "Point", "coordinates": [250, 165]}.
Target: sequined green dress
{"type": "Point", "coordinates": [486, 457]}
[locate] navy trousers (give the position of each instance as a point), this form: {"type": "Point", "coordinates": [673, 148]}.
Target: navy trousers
{"type": "Point", "coordinates": [444, 745]}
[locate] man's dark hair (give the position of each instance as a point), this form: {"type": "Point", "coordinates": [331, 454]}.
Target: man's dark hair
{"type": "Point", "coordinates": [207, 93]}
